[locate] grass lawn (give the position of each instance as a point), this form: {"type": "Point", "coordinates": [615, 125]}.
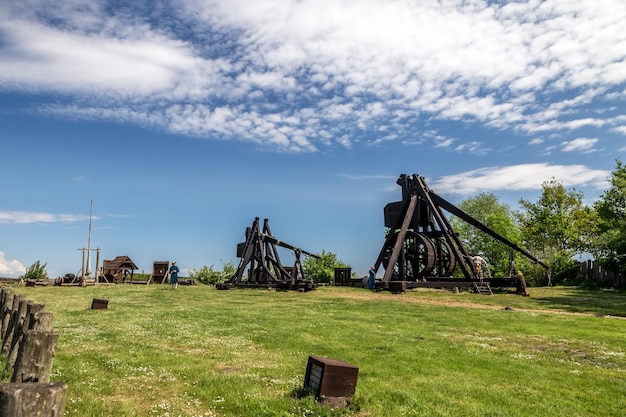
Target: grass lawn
{"type": "Point", "coordinates": [197, 351]}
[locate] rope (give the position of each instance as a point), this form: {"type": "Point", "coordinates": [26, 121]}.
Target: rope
{"type": "Point", "coordinates": [549, 276]}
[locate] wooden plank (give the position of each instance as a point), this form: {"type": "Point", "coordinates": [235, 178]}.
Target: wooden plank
{"type": "Point", "coordinates": [399, 241]}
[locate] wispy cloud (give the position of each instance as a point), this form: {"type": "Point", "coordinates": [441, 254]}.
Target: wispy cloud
{"type": "Point", "coordinates": [352, 177]}
{"type": "Point", "coordinates": [472, 147]}
{"type": "Point", "coordinates": [297, 76]}
{"type": "Point", "coordinates": [35, 217]}
{"type": "Point", "coordinates": [580, 145]}
{"type": "Point", "coordinates": [519, 177]}
{"type": "Point", "coordinates": [620, 129]}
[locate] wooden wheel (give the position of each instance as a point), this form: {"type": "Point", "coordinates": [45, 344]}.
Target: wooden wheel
{"type": "Point", "coordinates": [446, 262]}
{"type": "Point", "coordinates": [416, 259]}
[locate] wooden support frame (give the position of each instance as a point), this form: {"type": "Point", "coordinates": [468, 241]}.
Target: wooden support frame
{"type": "Point", "coordinates": [420, 213]}
{"type": "Point", "coordinates": [261, 266]}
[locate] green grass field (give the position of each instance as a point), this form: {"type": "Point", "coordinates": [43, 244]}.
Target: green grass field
{"type": "Point", "coordinates": [197, 351]}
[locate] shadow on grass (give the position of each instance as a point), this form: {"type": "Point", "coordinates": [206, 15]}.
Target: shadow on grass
{"type": "Point", "coordinates": [579, 300]}
{"type": "Point", "coordinates": [326, 407]}
{"type": "Point", "coordinates": [300, 393]}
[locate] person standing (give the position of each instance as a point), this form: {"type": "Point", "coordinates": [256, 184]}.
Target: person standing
{"type": "Point", "coordinates": [174, 275]}
{"type": "Point", "coordinates": [480, 266]}
{"type": "Point", "coordinates": [372, 280]}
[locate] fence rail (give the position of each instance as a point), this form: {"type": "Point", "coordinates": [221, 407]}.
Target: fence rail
{"type": "Point", "coordinates": [29, 344]}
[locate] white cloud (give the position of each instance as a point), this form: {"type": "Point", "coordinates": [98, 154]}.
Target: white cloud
{"type": "Point", "coordinates": [575, 124]}
{"type": "Point", "coordinates": [579, 144]}
{"type": "Point", "coordinates": [10, 269]}
{"type": "Point", "coordinates": [620, 129]}
{"type": "Point", "coordinates": [12, 217]}
{"type": "Point", "coordinates": [353, 177]}
{"type": "Point", "coordinates": [221, 67]}
{"type": "Point", "coordinates": [74, 61]}
{"type": "Point", "coordinates": [472, 147]}
{"type": "Point", "coordinates": [442, 142]}
{"type": "Point", "coordinates": [519, 177]}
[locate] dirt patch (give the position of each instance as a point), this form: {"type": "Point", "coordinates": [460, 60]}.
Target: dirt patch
{"type": "Point", "coordinates": [226, 370]}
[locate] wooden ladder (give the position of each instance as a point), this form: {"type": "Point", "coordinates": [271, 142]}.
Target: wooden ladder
{"type": "Point", "coordinates": [482, 288]}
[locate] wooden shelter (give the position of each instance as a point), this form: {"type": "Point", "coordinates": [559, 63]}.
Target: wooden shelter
{"type": "Point", "coordinates": [160, 272]}
{"type": "Point", "coordinates": [118, 270]}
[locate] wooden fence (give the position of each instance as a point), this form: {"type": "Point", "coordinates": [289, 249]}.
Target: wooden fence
{"type": "Point", "coordinates": [29, 344]}
{"type": "Point", "coordinates": [596, 273]}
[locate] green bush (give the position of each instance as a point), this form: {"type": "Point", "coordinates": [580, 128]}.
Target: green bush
{"type": "Point", "coordinates": [36, 271]}
{"type": "Point", "coordinates": [209, 276]}
{"type": "Point", "coordinates": [322, 269]}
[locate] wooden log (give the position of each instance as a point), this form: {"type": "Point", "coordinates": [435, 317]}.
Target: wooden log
{"type": "Point", "coordinates": [11, 311]}
{"type": "Point", "coordinates": [35, 356]}
{"type": "Point", "coordinates": [42, 321]}
{"type": "Point", "coordinates": [25, 325]}
{"type": "Point", "coordinates": [29, 400]}
{"type": "Point", "coordinates": [4, 312]}
{"type": "Point", "coordinates": [7, 311]}
{"type": "Point", "coordinates": [13, 320]}
{"type": "Point", "coordinates": [33, 309]}
{"type": "Point", "coordinates": [3, 295]}
{"type": "Point", "coordinates": [18, 325]}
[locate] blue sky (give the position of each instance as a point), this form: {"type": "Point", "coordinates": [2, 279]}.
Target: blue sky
{"type": "Point", "coordinates": [185, 120]}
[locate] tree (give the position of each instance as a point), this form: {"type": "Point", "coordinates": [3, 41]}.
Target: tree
{"type": "Point", "coordinates": [36, 271]}
{"type": "Point", "coordinates": [208, 275]}
{"type": "Point", "coordinates": [556, 228]}
{"type": "Point", "coordinates": [610, 243]}
{"type": "Point", "coordinates": [323, 269]}
{"type": "Point", "coordinates": [487, 209]}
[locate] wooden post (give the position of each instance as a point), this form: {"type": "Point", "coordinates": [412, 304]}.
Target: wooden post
{"type": "Point", "coordinates": [3, 295]}
{"type": "Point", "coordinates": [3, 302]}
{"type": "Point", "coordinates": [42, 321]}
{"type": "Point", "coordinates": [13, 322]}
{"type": "Point", "coordinates": [18, 335]}
{"type": "Point", "coordinates": [7, 308]}
{"type": "Point", "coordinates": [35, 356]}
{"type": "Point", "coordinates": [28, 400]}
{"type": "Point", "coordinates": [97, 266]}
{"type": "Point", "coordinates": [399, 244]}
